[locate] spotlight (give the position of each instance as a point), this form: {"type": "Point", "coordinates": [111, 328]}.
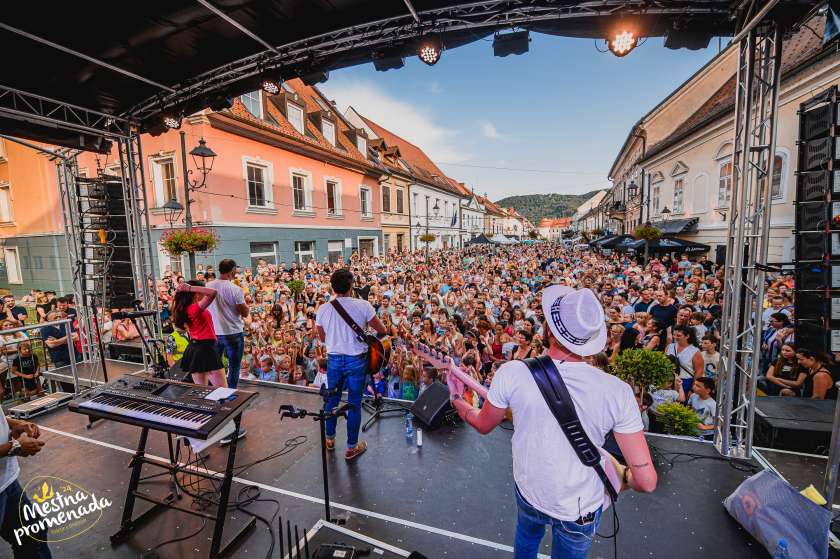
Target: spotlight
{"type": "Point", "coordinates": [383, 61]}
{"type": "Point", "coordinates": [272, 87]}
{"type": "Point", "coordinates": [430, 49]}
{"type": "Point", "coordinates": [172, 120]}
{"type": "Point", "coordinates": [511, 43]}
{"type": "Point", "coordinates": [315, 77]}
{"type": "Point", "coordinates": [623, 43]}
{"type": "Point", "coordinates": [220, 103]}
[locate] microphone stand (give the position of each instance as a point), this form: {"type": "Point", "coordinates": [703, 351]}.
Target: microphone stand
{"type": "Point", "coordinates": [321, 417]}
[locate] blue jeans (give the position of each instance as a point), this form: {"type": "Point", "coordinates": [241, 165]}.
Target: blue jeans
{"type": "Point", "coordinates": [233, 346]}
{"type": "Point", "coordinates": [10, 500]}
{"type": "Point", "coordinates": [569, 540]}
{"type": "Point", "coordinates": [346, 371]}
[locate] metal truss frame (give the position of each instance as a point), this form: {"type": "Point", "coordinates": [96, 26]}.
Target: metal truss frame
{"type": "Point", "coordinates": [754, 147]}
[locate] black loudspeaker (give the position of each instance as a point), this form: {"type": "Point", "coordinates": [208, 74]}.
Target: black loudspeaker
{"type": "Point", "coordinates": [432, 406]}
{"type": "Point", "coordinates": [720, 255]}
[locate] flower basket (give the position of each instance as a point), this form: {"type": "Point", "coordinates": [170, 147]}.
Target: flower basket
{"type": "Point", "coordinates": [427, 238]}
{"type": "Point", "coordinates": [179, 241]}
{"type": "Point", "coordinates": [647, 233]}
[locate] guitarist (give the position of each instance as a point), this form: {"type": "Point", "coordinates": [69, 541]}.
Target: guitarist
{"type": "Point", "coordinates": [347, 360]}
{"type": "Point", "coordinates": [553, 487]}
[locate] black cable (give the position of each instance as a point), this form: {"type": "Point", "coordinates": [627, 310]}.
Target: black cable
{"type": "Point", "coordinates": [736, 463]}
{"type": "Point", "coordinates": [150, 553]}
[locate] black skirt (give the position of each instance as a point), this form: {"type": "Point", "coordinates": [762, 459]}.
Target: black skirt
{"type": "Point", "coordinates": [201, 357]}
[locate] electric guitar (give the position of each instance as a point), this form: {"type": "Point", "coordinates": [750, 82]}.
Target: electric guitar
{"type": "Point", "coordinates": [441, 361]}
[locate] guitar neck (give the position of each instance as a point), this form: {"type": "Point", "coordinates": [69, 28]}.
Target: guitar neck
{"type": "Point", "coordinates": [468, 380]}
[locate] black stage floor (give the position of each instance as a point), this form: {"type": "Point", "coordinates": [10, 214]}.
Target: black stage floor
{"type": "Point", "coordinates": [90, 374]}
{"type": "Point", "coordinates": [451, 498]}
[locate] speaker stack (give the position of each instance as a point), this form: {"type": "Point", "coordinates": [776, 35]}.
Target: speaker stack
{"type": "Point", "coordinates": [106, 255]}
{"type": "Point", "coordinates": [817, 247]}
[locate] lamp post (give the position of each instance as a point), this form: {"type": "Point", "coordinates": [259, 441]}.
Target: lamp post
{"type": "Point", "coordinates": [436, 208]}
{"type": "Point", "coordinates": [203, 158]}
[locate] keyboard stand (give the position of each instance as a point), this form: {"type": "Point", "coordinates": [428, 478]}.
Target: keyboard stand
{"type": "Point", "coordinates": [128, 525]}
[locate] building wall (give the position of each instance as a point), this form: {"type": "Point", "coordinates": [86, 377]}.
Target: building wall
{"type": "Point", "coordinates": [440, 225]}
{"type": "Point", "coordinates": [44, 264]}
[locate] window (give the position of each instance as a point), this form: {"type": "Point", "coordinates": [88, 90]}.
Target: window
{"type": "Point", "coordinates": [364, 202]}
{"type": "Point", "coordinates": [725, 176]}
{"type": "Point", "coordinates": [400, 208]}
{"type": "Point", "coordinates": [361, 144]}
{"type": "Point", "coordinates": [5, 204]}
{"type": "Point", "coordinates": [678, 195]}
{"type": "Point", "coordinates": [328, 130]}
{"type": "Point", "coordinates": [700, 193]}
{"type": "Point", "coordinates": [2, 150]}
{"type": "Point", "coordinates": [301, 191]}
{"type": "Point", "coordinates": [263, 251]}
{"type": "Point", "coordinates": [304, 251]}
{"type": "Point", "coordinates": [386, 198]}
{"type": "Point", "coordinates": [335, 251]}
{"type": "Point", "coordinates": [400, 241]}
{"type": "Point", "coordinates": [295, 115]}
{"type": "Point", "coordinates": [12, 258]}
{"type": "Point", "coordinates": [777, 184]}
{"type": "Point", "coordinates": [165, 181]}
{"type": "Point", "coordinates": [655, 198]}
{"type": "Point", "coordinates": [253, 103]}
{"type": "Point", "coordinates": [256, 186]}
{"type": "Point", "coordinates": [333, 197]}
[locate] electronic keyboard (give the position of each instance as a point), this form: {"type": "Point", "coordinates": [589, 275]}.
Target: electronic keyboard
{"type": "Point", "coordinates": [163, 405]}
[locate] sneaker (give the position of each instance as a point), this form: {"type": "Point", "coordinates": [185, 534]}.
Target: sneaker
{"type": "Point", "coordinates": [229, 439]}
{"type": "Point", "coordinates": [330, 444]}
{"type": "Point", "coordinates": [351, 453]}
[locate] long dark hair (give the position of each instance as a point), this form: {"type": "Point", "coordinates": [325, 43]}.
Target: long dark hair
{"type": "Point", "coordinates": [183, 299]}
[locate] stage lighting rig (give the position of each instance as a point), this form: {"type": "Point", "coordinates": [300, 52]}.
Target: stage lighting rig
{"type": "Point", "coordinates": [511, 43]}
{"type": "Point", "coordinates": [172, 121]}
{"type": "Point", "coordinates": [623, 42]}
{"type": "Point", "coordinates": [429, 49]}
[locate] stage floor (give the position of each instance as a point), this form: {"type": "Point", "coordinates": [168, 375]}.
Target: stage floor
{"type": "Point", "coordinates": [451, 498]}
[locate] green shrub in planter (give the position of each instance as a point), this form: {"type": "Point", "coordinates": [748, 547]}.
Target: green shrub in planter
{"type": "Point", "coordinates": [677, 419]}
{"type": "Point", "coordinates": [295, 286]}
{"type": "Point", "coordinates": [644, 369]}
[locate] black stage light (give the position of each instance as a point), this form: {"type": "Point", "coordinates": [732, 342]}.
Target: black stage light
{"type": "Point", "coordinates": [622, 43]}
{"type": "Point", "coordinates": [272, 87]}
{"type": "Point", "coordinates": [172, 120]}
{"type": "Point", "coordinates": [220, 103]}
{"type": "Point", "coordinates": [384, 62]}
{"type": "Point", "coordinates": [511, 43]}
{"type": "Point", "coordinates": [315, 77]}
{"type": "Point", "coordinates": [429, 49]}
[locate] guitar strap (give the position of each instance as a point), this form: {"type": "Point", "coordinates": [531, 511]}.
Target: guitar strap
{"type": "Point", "coordinates": [342, 312]}
{"type": "Point", "coordinates": [560, 403]}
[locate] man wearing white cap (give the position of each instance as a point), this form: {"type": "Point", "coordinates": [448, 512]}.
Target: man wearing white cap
{"type": "Point", "coordinates": [553, 487]}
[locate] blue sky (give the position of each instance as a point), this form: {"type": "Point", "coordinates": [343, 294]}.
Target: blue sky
{"type": "Point", "coordinates": [562, 107]}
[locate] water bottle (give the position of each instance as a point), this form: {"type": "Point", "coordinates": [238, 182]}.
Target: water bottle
{"type": "Point", "coordinates": [419, 436]}
{"type": "Point", "coordinates": [409, 426]}
{"type": "Point", "coordinates": [782, 550]}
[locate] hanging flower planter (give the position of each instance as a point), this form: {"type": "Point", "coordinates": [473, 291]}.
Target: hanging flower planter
{"type": "Point", "coordinates": [179, 241]}
{"type": "Point", "coordinates": [427, 238]}
{"type": "Point", "coordinates": [647, 233]}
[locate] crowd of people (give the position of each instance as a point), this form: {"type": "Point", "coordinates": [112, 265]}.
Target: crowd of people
{"type": "Point", "coordinates": [479, 305]}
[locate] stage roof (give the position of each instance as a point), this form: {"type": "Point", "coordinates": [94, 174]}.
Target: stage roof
{"type": "Point", "coordinates": [137, 61]}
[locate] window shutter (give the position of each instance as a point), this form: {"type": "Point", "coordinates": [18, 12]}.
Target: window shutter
{"type": "Point", "coordinates": [157, 178]}
{"type": "Point", "coordinates": [307, 187]}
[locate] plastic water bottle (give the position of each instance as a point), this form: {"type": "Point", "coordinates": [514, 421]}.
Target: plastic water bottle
{"type": "Point", "coordinates": [782, 550]}
{"type": "Point", "coordinates": [409, 426]}
{"type": "Point", "coordinates": [419, 436]}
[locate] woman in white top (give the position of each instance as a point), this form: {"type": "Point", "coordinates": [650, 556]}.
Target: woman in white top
{"type": "Point", "coordinates": [684, 348]}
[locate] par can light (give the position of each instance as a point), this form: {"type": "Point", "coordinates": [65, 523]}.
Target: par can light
{"type": "Point", "coordinates": [429, 49]}
{"type": "Point", "coordinates": [623, 43]}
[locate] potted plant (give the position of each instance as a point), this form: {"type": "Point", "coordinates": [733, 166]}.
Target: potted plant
{"type": "Point", "coordinates": [647, 233]}
{"type": "Point", "coordinates": [178, 241]}
{"type": "Point", "coordinates": [295, 286]}
{"type": "Point", "coordinates": [644, 369]}
{"type": "Point", "coordinates": [598, 232]}
{"type": "Point", "coordinates": [677, 419]}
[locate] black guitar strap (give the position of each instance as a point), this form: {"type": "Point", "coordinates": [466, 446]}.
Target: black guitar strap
{"type": "Point", "coordinates": [560, 403]}
{"type": "Point", "coordinates": [342, 312]}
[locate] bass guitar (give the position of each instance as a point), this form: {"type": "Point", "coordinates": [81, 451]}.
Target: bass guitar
{"type": "Point", "coordinates": [443, 362]}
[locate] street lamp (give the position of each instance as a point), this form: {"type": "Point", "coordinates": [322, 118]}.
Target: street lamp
{"type": "Point", "coordinates": [203, 158]}
{"type": "Point", "coordinates": [666, 213]}
{"type": "Point", "coordinates": [172, 211]}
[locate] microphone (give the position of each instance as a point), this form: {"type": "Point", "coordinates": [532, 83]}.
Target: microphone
{"type": "Point", "coordinates": [131, 314]}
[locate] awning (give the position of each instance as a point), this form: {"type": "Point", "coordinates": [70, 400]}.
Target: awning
{"type": "Point", "coordinates": [613, 242]}
{"type": "Point", "coordinates": [500, 239]}
{"type": "Point", "coordinates": [597, 242]}
{"type": "Point", "coordinates": [677, 226]}
{"type": "Point", "coordinates": [479, 240]}
{"type": "Point", "coordinates": [665, 244]}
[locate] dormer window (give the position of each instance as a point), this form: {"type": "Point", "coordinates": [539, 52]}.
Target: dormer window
{"type": "Point", "coordinates": [328, 130]}
{"type": "Point", "coordinates": [295, 116]}
{"type": "Point", "coordinates": [361, 143]}
{"type": "Point", "coordinates": [253, 103]}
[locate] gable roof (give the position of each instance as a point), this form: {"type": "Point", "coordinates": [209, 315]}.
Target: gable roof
{"type": "Point", "coordinates": [804, 46]}
{"type": "Point", "coordinates": [420, 165]}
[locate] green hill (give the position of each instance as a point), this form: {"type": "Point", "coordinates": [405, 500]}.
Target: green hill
{"type": "Point", "coordinates": [537, 206]}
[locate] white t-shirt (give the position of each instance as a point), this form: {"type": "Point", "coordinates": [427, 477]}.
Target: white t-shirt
{"type": "Point", "coordinates": [685, 357]}
{"type": "Point", "coordinates": [546, 469]}
{"type": "Point", "coordinates": [340, 338]}
{"type": "Point", "coordinates": [9, 469]}
{"type": "Point", "coordinates": [226, 319]}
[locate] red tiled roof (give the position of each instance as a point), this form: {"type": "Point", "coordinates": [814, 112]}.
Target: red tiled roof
{"type": "Point", "coordinates": [555, 222]}
{"type": "Point", "coordinates": [802, 46]}
{"type": "Point", "coordinates": [420, 164]}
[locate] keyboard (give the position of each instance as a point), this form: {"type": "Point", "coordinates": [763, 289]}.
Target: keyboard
{"type": "Point", "coordinates": [163, 405]}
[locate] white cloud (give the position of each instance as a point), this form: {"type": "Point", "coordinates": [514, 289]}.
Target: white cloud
{"type": "Point", "coordinates": [490, 131]}
{"type": "Point", "coordinates": [413, 123]}
{"type": "Point", "coordinates": [434, 87]}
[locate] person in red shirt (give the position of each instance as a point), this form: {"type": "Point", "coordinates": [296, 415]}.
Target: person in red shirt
{"type": "Point", "coordinates": [189, 311]}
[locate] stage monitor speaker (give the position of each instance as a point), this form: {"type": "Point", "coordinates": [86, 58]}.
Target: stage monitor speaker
{"type": "Point", "coordinates": [432, 405]}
